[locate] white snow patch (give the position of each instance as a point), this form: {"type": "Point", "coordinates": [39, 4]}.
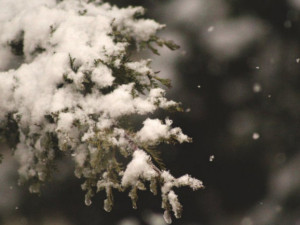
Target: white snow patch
{"type": "Point", "coordinates": [139, 167]}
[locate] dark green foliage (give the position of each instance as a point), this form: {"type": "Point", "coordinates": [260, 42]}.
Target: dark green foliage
{"type": "Point", "coordinates": [160, 42]}
{"type": "Point", "coordinates": [82, 12]}
{"type": "Point", "coordinates": [10, 131]}
{"type": "Point", "coordinates": [67, 79]}
{"type": "Point", "coordinates": [87, 83]}
{"type": "Point", "coordinates": [73, 65]}
{"type": "Point", "coordinates": [17, 45]}
{"type": "Point", "coordinates": [38, 50]}
{"type": "Point", "coordinates": [52, 29]}
{"type": "Point", "coordinates": [50, 141]}
{"type": "Point", "coordinates": [155, 155]}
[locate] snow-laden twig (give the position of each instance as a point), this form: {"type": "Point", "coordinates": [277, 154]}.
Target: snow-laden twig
{"type": "Point", "coordinates": [67, 87]}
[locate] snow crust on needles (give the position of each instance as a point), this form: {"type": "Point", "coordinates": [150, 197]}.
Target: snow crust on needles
{"type": "Point", "coordinates": [31, 90]}
{"type": "Point", "coordinates": [138, 168]}
{"type": "Point", "coordinates": [85, 38]}
{"type": "Point", "coordinates": [154, 130]}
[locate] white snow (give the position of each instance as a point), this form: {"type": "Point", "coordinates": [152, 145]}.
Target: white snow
{"type": "Point", "coordinates": [140, 67]}
{"type": "Point", "coordinates": [255, 136]}
{"type": "Point", "coordinates": [256, 88]}
{"type": "Point", "coordinates": [153, 130]}
{"type": "Point", "coordinates": [46, 88]}
{"type": "Point", "coordinates": [173, 198]}
{"type": "Point", "coordinates": [138, 168]}
{"type": "Point", "coordinates": [211, 29]}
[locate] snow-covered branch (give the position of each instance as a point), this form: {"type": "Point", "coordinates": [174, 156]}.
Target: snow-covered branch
{"type": "Point", "coordinates": [66, 83]}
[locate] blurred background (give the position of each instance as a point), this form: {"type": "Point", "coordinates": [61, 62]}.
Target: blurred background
{"type": "Point", "coordinates": [237, 74]}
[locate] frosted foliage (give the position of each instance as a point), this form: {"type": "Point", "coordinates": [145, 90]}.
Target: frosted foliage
{"type": "Point", "coordinates": [68, 87]}
{"type": "Point", "coordinates": [154, 130]}
{"type": "Point", "coordinates": [139, 167]}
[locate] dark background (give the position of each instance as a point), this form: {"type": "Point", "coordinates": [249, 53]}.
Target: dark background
{"type": "Point", "coordinates": [243, 54]}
